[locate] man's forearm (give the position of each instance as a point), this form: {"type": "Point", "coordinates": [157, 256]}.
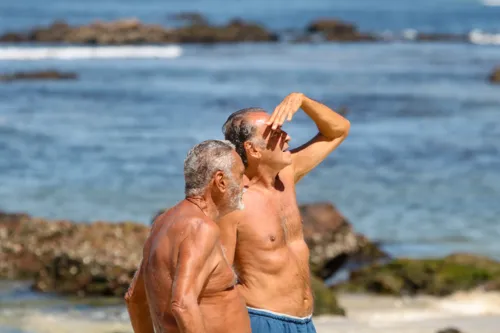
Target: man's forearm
{"type": "Point", "coordinates": [189, 318]}
{"type": "Point", "coordinates": [140, 317]}
{"type": "Point", "coordinates": [137, 304]}
{"type": "Point", "coordinates": [330, 124]}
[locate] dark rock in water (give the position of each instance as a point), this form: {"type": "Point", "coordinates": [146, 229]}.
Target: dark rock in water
{"type": "Point", "coordinates": [42, 75]}
{"type": "Point", "coordinates": [332, 240]}
{"type": "Point", "coordinates": [325, 301]}
{"type": "Point", "coordinates": [234, 31]}
{"type": "Point", "coordinates": [72, 258]}
{"type": "Point", "coordinates": [13, 37]}
{"type": "Point", "coordinates": [335, 30]}
{"type": "Point", "coordinates": [132, 31]}
{"type": "Point", "coordinates": [439, 37]}
{"type": "Point", "coordinates": [495, 76]}
{"type": "Point", "coordinates": [449, 330]}
{"type": "Point", "coordinates": [101, 258]}
{"type": "Point", "coordinates": [439, 277]}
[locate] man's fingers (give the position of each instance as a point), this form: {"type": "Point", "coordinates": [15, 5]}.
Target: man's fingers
{"type": "Point", "coordinates": [275, 117]}
{"type": "Point", "coordinates": [283, 116]}
{"type": "Point", "coordinates": [270, 120]}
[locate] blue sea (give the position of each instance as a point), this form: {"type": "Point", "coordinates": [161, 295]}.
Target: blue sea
{"type": "Point", "coordinates": [420, 170]}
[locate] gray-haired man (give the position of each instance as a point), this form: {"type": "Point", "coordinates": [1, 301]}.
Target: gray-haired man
{"type": "Point", "coordinates": [185, 283]}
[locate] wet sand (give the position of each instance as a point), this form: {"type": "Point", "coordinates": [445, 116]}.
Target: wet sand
{"type": "Point", "coordinates": [475, 312]}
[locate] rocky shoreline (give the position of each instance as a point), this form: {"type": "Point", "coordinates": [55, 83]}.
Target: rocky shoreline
{"type": "Point", "coordinates": [100, 258]}
{"type": "Point", "coordinates": [38, 75]}
{"type": "Point", "coordinates": [198, 29]}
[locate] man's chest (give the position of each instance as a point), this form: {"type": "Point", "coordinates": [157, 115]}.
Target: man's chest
{"type": "Point", "coordinates": [271, 221]}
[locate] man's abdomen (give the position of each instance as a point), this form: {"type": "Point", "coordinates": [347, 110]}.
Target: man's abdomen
{"type": "Point", "coordinates": [279, 280]}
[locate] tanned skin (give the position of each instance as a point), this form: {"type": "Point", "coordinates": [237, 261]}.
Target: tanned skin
{"type": "Point", "coordinates": [265, 240]}
{"type": "Point", "coordinates": [185, 284]}
{"type": "Point", "coordinates": [137, 302]}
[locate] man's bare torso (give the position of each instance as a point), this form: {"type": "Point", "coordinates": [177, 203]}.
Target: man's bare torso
{"type": "Point", "coordinates": [223, 309]}
{"type": "Point", "coordinates": [271, 257]}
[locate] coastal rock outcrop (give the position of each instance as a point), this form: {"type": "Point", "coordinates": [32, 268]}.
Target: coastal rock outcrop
{"type": "Point", "coordinates": [39, 75]}
{"type": "Point", "coordinates": [333, 242]}
{"type": "Point", "coordinates": [336, 30]}
{"type": "Point", "coordinates": [132, 31]}
{"type": "Point", "coordinates": [438, 277]}
{"type": "Point", "coordinates": [72, 258]}
{"type": "Point", "coordinates": [55, 251]}
{"type": "Point", "coordinates": [100, 258]}
{"type": "Point", "coordinates": [325, 301]}
{"type": "Point", "coordinates": [495, 76]}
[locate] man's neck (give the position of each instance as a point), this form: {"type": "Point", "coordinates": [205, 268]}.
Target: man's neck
{"type": "Point", "coordinates": [206, 205]}
{"type": "Point", "coordinates": [262, 176]}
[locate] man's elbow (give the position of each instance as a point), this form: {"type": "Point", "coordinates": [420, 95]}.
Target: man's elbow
{"type": "Point", "coordinates": [181, 305]}
{"type": "Point", "coordinates": [346, 128]}
{"type": "Point", "coordinates": [341, 131]}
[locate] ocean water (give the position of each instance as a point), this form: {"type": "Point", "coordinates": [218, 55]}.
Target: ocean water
{"type": "Point", "coordinates": [420, 170]}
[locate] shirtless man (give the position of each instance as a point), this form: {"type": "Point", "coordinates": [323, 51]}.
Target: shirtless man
{"type": "Point", "coordinates": [184, 278]}
{"type": "Point", "coordinates": [265, 240]}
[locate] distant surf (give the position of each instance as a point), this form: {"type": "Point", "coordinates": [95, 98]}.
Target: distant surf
{"type": "Point", "coordinates": [479, 37]}
{"type": "Point", "coordinates": [84, 52]}
{"type": "Point", "coordinates": [491, 3]}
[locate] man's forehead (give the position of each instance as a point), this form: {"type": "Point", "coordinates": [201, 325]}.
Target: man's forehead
{"type": "Point", "coordinates": [258, 118]}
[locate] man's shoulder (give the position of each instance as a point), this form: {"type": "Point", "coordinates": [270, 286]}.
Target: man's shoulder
{"type": "Point", "coordinates": [190, 228]}
{"type": "Point", "coordinates": [202, 227]}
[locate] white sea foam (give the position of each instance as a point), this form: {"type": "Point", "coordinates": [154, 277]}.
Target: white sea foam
{"type": "Point", "coordinates": [491, 3]}
{"type": "Point", "coordinates": [482, 38]}
{"type": "Point", "coordinates": [477, 312]}
{"type": "Point", "coordinates": [410, 34]}
{"type": "Point", "coordinates": [84, 52]}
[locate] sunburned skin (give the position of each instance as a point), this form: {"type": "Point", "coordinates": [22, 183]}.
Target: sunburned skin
{"type": "Point", "coordinates": [271, 257]}
{"type": "Point", "coordinates": [265, 241]}
{"type": "Point", "coordinates": [185, 283]}
{"type": "Point", "coordinates": [185, 257]}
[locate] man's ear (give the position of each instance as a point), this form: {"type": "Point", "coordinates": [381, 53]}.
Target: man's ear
{"type": "Point", "coordinates": [251, 149]}
{"type": "Point", "coordinates": [220, 181]}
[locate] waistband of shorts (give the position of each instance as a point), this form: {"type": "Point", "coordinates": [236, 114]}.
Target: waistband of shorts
{"type": "Point", "coordinates": [279, 316]}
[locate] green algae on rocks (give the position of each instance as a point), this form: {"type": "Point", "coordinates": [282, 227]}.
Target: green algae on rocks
{"type": "Point", "coordinates": [437, 277]}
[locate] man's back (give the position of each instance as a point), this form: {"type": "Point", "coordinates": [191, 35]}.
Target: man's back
{"type": "Point", "coordinates": [179, 235]}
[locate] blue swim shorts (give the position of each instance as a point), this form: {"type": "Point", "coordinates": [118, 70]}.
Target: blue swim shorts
{"type": "Point", "coordinates": [264, 321]}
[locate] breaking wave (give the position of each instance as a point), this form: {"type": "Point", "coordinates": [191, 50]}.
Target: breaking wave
{"type": "Point", "coordinates": [99, 52]}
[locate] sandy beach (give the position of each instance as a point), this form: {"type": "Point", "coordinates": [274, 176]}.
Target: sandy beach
{"type": "Point", "coordinates": [476, 312]}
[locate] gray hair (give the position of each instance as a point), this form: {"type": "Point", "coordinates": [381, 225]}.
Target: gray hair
{"type": "Point", "coordinates": [238, 129]}
{"type": "Point", "coordinates": [203, 161]}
